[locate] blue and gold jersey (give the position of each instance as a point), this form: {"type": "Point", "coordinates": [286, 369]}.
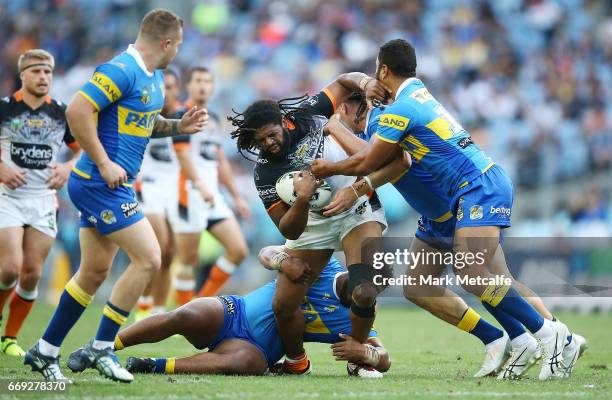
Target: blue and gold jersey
{"type": "Point", "coordinates": [128, 99]}
{"type": "Point", "coordinates": [437, 143]}
{"type": "Point", "coordinates": [418, 187]}
{"type": "Point", "coordinates": [325, 317]}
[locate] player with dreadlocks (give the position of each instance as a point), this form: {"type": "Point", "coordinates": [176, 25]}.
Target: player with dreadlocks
{"type": "Point", "coordinates": [288, 135]}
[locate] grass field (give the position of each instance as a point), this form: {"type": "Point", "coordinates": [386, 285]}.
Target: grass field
{"type": "Point", "coordinates": [430, 360]}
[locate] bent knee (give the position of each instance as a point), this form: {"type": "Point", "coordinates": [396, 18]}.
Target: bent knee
{"type": "Point", "coordinates": [365, 294]}
{"type": "Point", "coordinates": [284, 309]}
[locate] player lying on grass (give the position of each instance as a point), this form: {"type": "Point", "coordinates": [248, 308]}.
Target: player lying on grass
{"type": "Point", "coordinates": [241, 334]}
{"type": "Point", "coordinates": [352, 126]}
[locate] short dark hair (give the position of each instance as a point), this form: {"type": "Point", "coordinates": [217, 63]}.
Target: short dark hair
{"type": "Point", "coordinates": [359, 99]}
{"type": "Point", "coordinates": [193, 70]}
{"type": "Point", "coordinates": [258, 114]}
{"type": "Point", "coordinates": [399, 56]}
{"type": "Point", "coordinates": [172, 72]}
{"type": "Point", "coordinates": [160, 24]}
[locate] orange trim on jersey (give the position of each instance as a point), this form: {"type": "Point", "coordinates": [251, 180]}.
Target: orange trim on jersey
{"type": "Point", "coordinates": [188, 104]}
{"type": "Point", "coordinates": [331, 97]}
{"type": "Point", "coordinates": [183, 197]}
{"type": "Point", "coordinates": [181, 145]}
{"type": "Point", "coordinates": [288, 123]}
{"type": "Point", "coordinates": [138, 186]}
{"type": "Point", "coordinates": [273, 205]}
{"type": "Point", "coordinates": [18, 95]}
{"type": "Point", "coordinates": [74, 146]}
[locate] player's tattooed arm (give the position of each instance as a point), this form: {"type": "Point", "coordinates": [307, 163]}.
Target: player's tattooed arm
{"type": "Point", "coordinates": [193, 121]}
{"type": "Point", "coordinates": [165, 128]}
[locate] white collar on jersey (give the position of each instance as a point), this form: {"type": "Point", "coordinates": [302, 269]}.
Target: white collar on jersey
{"type": "Point", "coordinates": [131, 50]}
{"type": "Point", "coordinates": [403, 86]}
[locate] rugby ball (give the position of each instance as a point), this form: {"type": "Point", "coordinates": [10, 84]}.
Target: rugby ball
{"type": "Point", "coordinates": [284, 188]}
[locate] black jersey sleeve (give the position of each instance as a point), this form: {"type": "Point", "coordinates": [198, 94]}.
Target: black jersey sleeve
{"type": "Point", "coordinates": [322, 103]}
{"type": "Point", "coordinates": [68, 138]}
{"type": "Point", "coordinates": [265, 183]}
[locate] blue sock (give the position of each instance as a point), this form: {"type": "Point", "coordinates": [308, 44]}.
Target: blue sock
{"type": "Point", "coordinates": [507, 299]}
{"type": "Point", "coordinates": [112, 319]}
{"type": "Point", "coordinates": [474, 324]}
{"type": "Point", "coordinates": [486, 332]}
{"type": "Point", "coordinates": [510, 324]}
{"type": "Point", "coordinates": [73, 302]}
{"type": "Point", "coordinates": [160, 366]}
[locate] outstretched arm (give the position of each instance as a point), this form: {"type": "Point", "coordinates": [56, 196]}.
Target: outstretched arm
{"type": "Point", "coordinates": [193, 121]}
{"type": "Point", "coordinates": [371, 353]}
{"type": "Point", "coordinates": [274, 258]}
{"type": "Point", "coordinates": [369, 159]}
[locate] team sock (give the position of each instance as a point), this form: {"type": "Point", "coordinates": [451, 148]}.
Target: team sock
{"type": "Point", "coordinates": [164, 365]}
{"type": "Point", "coordinates": [184, 286]}
{"type": "Point", "coordinates": [112, 319]}
{"type": "Point", "coordinates": [73, 301]}
{"type": "Point", "coordinates": [19, 308]}
{"type": "Point", "coordinates": [507, 299]}
{"type": "Point", "coordinates": [118, 345]}
{"type": "Point", "coordinates": [474, 324]}
{"type": "Point", "coordinates": [220, 273]}
{"type": "Point", "coordinates": [5, 292]}
{"type": "Point", "coordinates": [510, 324]}
{"type": "Point", "coordinates": [145, 303]}
{"type": "Point", "coordinates": [297, 364]}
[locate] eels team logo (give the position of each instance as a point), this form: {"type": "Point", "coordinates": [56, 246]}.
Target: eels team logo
{"type": "Point", "coordinates": [108, 217]}
{"type": "Point", "coordinates": [476, 212]}
{"type": "Point", "coordinates": [145, 98]}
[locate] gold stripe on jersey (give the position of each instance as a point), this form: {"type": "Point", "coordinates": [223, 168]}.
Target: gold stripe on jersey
{"type": "Point", "coordinates": [88, 98]}
{"type": "Point", "coordinates": [106, 86]}
{"type": "Point", "coordinates": [441, 127]}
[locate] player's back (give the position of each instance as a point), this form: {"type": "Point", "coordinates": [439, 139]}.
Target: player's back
{"type": "Point", "coordinates": [437, 143]}
{"type": "Point", "coordinates": [128, 99]}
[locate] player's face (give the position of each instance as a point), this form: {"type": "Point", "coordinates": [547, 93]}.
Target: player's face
{"type": "Point", "coordinates": [170, 48]}
{"type": "Point", "coordinates": [37, 80]}
{"type": "Point", "coordinates": [348, 115]}
{"type": "Point", "coordinates": [269, 139]}
{"type": "Point", "coordinates": [201, 86]}
{"type": "Point", "coordinates": [381, 71]}
{"type": "Point", "coordinates": [172, 90]}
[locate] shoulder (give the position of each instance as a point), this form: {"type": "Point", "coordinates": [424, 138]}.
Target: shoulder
{"type": "Point", "coordinates": [57, 108]}
{"type": "Point", "coordinates": [396, 115]}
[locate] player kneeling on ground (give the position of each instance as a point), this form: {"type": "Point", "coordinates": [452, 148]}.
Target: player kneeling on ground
{"type": "Point", "coordinates": [240, 331]}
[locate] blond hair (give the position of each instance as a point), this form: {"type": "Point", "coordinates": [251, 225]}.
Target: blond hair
{"type": "Point", "coordinates": [35, 54]}
{"type": "Point", "coordinates": [160, 24]}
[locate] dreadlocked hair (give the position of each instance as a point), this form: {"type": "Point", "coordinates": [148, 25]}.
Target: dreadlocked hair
{"type": "Point", "coordinates": [258, 114]}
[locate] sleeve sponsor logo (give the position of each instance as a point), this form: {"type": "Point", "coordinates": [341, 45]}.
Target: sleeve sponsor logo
{"type": "Point", "coordinates": [107, 86]}
{"type": "Point", "coordinates": [31, 156]}
{"type": "Point", "coordinates": [465, 142]}
{"type": "Point", "coordinates": [394, 121]}
{"type": "Point", "coordinates": [136, 123]}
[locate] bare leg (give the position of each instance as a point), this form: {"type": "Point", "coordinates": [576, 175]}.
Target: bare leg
{"type": "Point", "coordinates": [288, 298]}
{"type": "Point", "coordinates": [500, 267]}
{"type": "Point", "coordinates": [438, 300]}
{"type": "Point", "coordinates": [199, 321]}
{"type": "Point", "coordinates": [231, 357]}
{"type": "Point", "coordinates": [364, 294]}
